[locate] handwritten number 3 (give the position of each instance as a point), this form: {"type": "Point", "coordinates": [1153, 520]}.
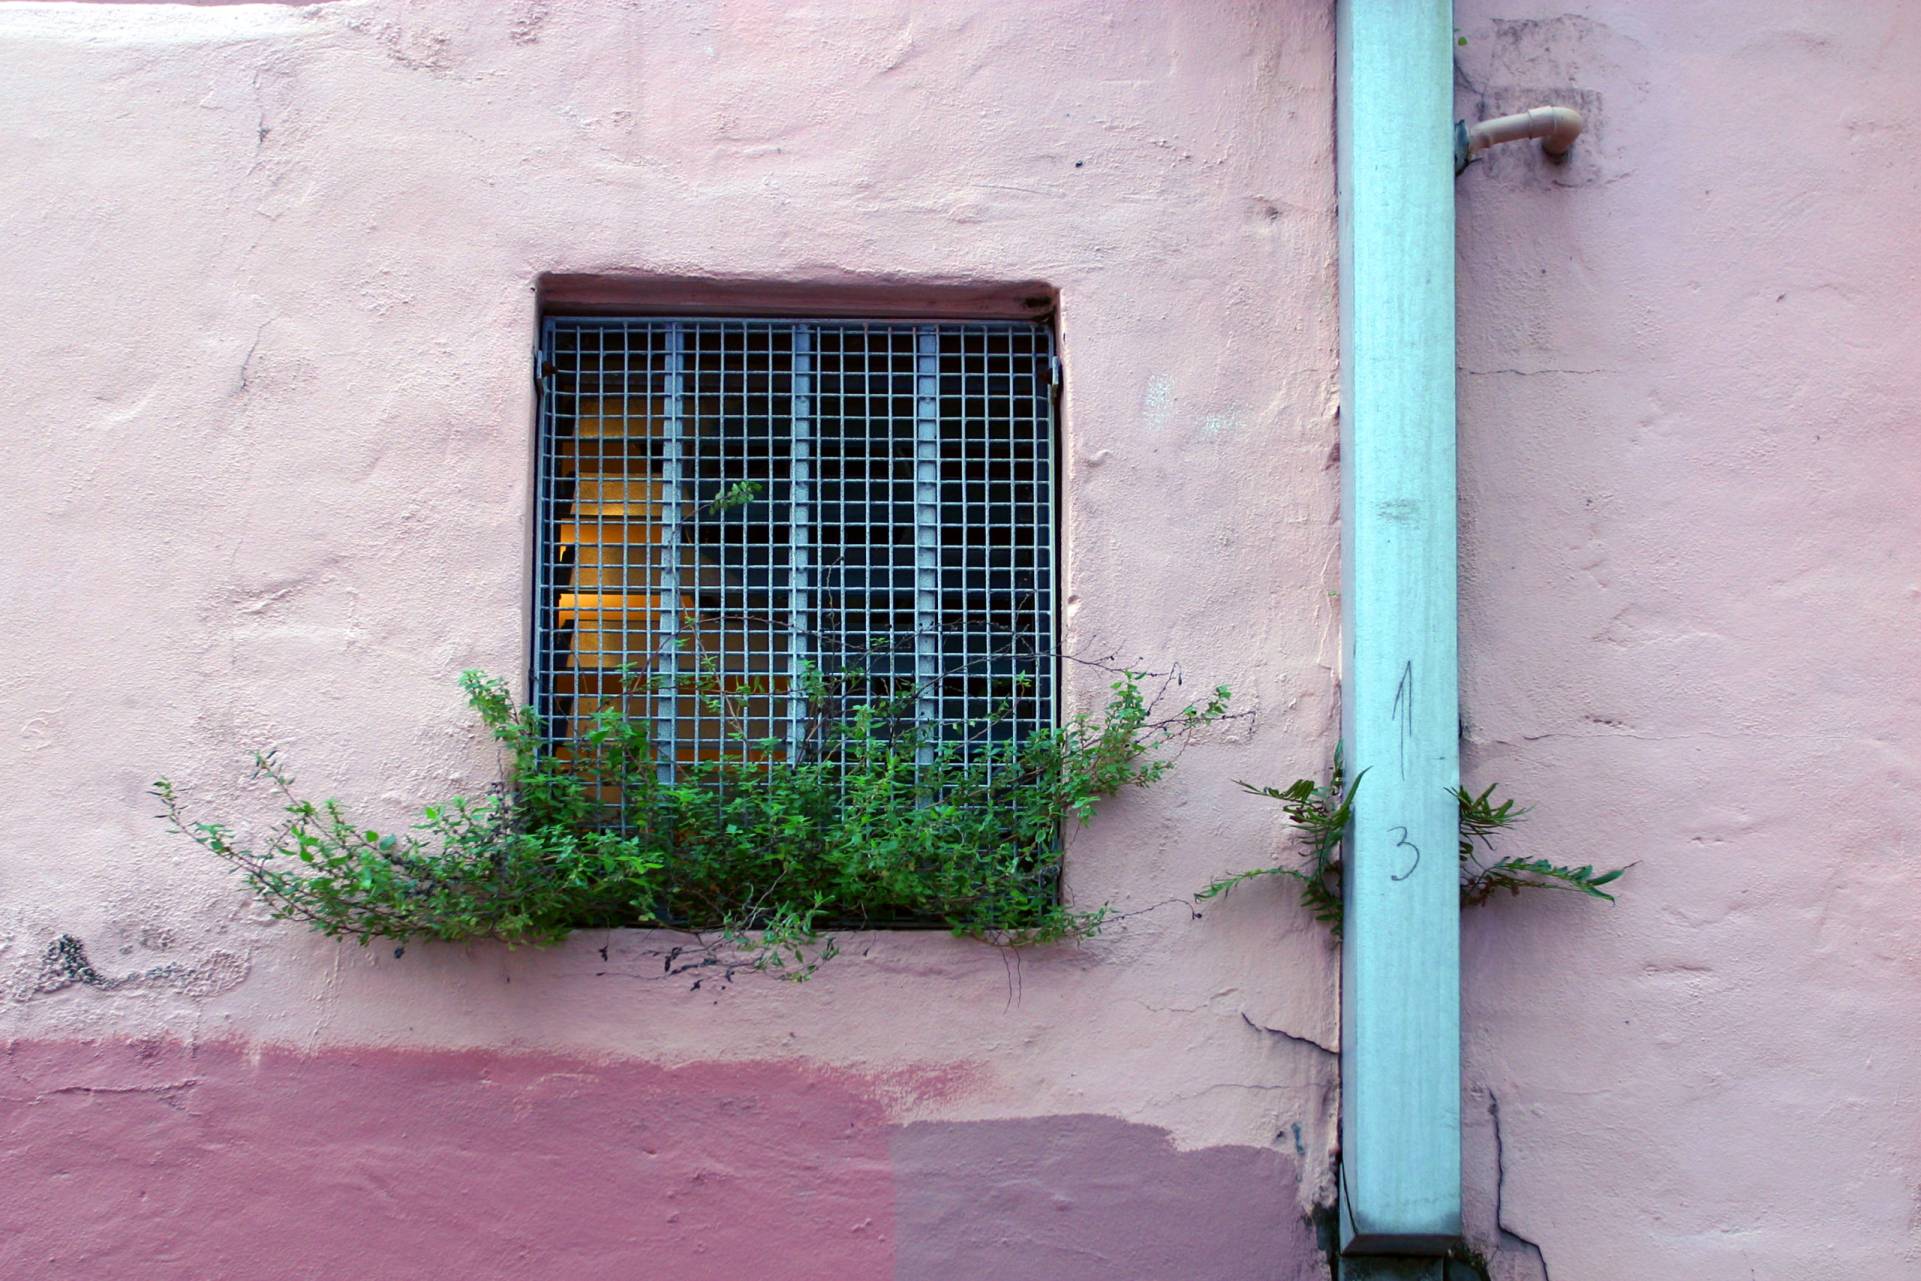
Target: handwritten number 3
{"type": "Point", "coordinates": [1404, 843]}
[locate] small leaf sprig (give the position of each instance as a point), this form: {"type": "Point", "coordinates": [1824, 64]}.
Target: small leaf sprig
{"type": "Point", "coordinates": [1319, 815]}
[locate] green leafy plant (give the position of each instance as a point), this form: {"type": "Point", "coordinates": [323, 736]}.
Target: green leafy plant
{"type": "Point", "coordinates": [738, 494]}
{"type": "Point", "coordinates": [1320, 813]}
{"type": "Point", "coordinates": [867, 818]}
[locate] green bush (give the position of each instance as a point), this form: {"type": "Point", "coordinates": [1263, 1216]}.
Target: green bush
{"type": "Point", "coordinates": [875, 822]}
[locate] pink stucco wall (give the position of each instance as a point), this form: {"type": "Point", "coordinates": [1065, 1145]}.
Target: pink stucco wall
{"type": "Point", "coordinates": [274, 392]}
{"type": "Point", "coordinates": [1691, 570]}
{"type": "Point", "coordinates": [274, 274]}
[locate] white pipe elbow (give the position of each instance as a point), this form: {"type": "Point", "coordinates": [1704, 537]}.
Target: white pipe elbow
{"type": "Point", "coordinates": [1556, 127]}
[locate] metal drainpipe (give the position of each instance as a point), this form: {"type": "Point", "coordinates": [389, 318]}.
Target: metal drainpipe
{"type": "Point", "coordinates": [1400, 1178]}
{"type": "Point", "coordinates": [1398, 150]}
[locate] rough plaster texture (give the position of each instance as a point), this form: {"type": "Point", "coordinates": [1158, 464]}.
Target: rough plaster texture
{"type": "Point", "coordinates": [223, 1159]}
{"type": "Point", "coordinates": [267, 418]}
{"type": "Point", "coordinates": [276, 290]}
{"type": "Point", "coordinates": [1689, 586]}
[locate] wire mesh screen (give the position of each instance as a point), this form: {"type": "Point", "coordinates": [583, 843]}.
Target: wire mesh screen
{"type": "Point", "coordinates": [726, 506]}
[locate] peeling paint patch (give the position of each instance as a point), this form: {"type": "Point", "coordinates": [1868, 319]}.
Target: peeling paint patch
{"type": "Point", "coordinates": [65, 964]}
{"type": "Point", "coordinates": [1157, 402]}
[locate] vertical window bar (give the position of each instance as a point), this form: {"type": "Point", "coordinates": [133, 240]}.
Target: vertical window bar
{"type": "Point", "coordinates": [667, 602]}
{"type": "Point", "coordinates": [800, 531]}
{"type": "Point", "coordinates": [1048, 588]}
{"type": "Point", "coordinates": [927, 658]}
{"type": "Point", "coordinates": [541, 680]}
{"type": "Point", "coordinates": [970, 490]}
{"type": "Point", "coordinates": [611, 536]}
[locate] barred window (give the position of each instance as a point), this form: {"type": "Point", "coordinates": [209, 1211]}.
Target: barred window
{"type": "Point", "coordinates": [728, 505]}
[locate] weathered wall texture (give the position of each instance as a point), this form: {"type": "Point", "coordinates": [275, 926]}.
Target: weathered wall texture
{"type": "Point", "coordinates": [1691, 567]}
{"type": "Point", "coordinates": [273, 277]}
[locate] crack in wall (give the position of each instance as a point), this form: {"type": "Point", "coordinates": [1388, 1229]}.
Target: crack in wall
{"type": "Point", "coordinates": [1508, 1234]}
{"type": "Point", "coordinates": [170, 1096]}
{"type": "Point", "coordinates": [1295, 1037]}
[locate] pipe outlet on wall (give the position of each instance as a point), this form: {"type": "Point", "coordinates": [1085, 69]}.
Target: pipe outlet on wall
{"type": "Point", "coordinates": [1556, 127]}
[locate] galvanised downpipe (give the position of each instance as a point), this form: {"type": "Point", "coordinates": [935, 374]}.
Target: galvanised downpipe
{"type": "Point", "coordinates": [1400, 1176]}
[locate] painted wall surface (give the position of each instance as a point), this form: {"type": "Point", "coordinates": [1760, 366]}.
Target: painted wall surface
{"type": "Point", "coordinates": [1690, 578]}
{"type": "Point", "coordinates": [273, 275]}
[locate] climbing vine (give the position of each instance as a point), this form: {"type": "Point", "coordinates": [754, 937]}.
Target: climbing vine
{"type": "Point", "coordinates": [879, 820]}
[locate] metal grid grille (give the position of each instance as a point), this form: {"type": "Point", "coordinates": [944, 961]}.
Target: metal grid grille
{"type": "Point", "coordinates": [726, 503]}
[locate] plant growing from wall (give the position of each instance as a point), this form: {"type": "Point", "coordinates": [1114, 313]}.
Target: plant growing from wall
{"type": "Point", "coordinates": [1319, 815]}
{"type": "Point", "coordinates": [875, 821]}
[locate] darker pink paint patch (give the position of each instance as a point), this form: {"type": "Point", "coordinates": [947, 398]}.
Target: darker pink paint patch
{"type": "Point", "coordinates": [149, 1160]}
{"type": "Point", "coordinates": [159, 1160]}
{"type": "Point", "coordinates": [1092, 1198]}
